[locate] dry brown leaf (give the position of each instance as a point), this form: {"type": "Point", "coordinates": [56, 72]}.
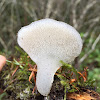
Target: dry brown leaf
{"type": "Point", "coordinates": [84, 96]}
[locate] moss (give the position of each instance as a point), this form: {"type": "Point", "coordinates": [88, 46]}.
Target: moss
{"type": "Point", "coordinates": [15, 75]}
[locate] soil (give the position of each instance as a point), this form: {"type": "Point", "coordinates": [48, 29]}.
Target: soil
{"type": "Point", "coordinates": [57, 93]}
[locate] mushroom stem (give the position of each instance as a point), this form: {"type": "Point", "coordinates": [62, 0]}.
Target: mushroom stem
{"type": "Point", "coordinates": [47, 98]}
{"type": "Point", "coordinates": [45, 79]}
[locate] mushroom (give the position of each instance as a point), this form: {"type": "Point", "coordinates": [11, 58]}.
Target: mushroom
{"type": "Point", "coordinates": [48, 41]}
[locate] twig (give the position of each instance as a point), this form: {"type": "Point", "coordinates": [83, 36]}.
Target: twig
{"type": "Point", "coordinates": [75, 24]}
{"type": "Point", "coordinates": [49, 8]}
{"type": "Point", "coordinates": [89, 29]}
{"type": "Point", "coordinates": [15, 71]}
{"type": "Point", "coordinates": [88, 6]}
{"type": "Point", "coordinates": [3, 43]}
{"type": "Point", "coordinates": [91, 50]}
{"type": "Point", "coordinates": [31, 12]}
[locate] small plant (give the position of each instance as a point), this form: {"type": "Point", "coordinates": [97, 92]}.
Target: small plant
{"type": "Point", "coordinates": [73, 80]}
{"type": "Point", "coordinates": [15, 76]}
{"type": "Point", "coordinates": [95, 75]}
{"type": "Point", "coordinates": [17, 79]}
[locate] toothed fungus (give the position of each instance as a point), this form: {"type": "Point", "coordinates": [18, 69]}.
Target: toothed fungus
{"type": "Point", "coordinates": [48, 41]}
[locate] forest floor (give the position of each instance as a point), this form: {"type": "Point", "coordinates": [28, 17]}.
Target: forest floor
{"type": "Point", "coordinates": [57, 93]}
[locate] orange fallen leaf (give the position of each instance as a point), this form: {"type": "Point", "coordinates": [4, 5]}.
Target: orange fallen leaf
{"type": "Point", "coordinates": [83, 96]}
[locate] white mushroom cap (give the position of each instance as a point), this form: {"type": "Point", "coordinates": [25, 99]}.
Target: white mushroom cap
{"type": "Point", "coordinates": [48, 41]}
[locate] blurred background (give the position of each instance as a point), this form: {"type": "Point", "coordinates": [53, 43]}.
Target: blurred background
{"type": "Point", "coordinates": [84, 15]}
